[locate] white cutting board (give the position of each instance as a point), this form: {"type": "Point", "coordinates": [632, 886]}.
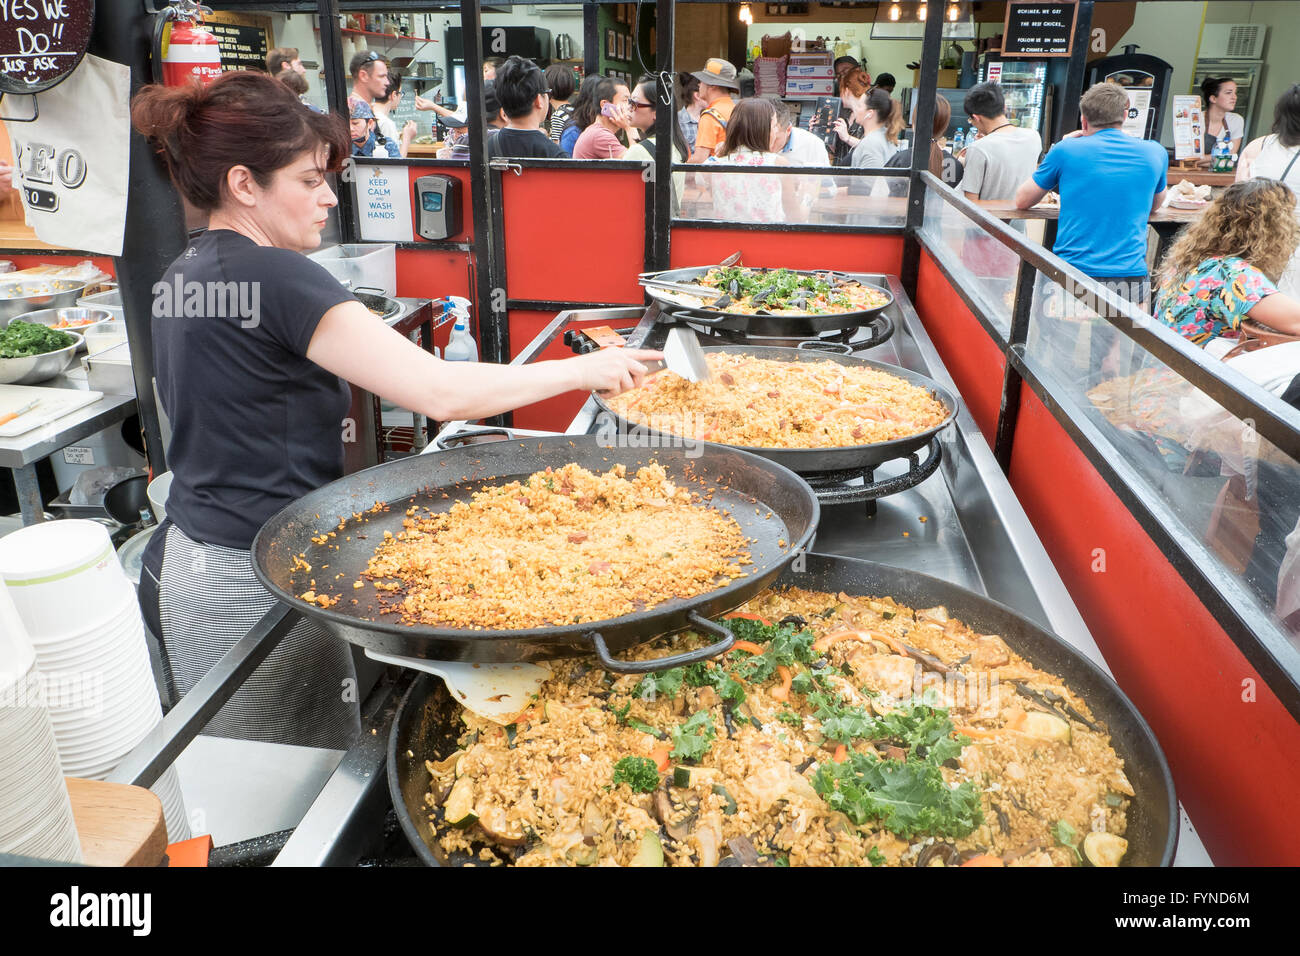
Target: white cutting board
{"type": "Point", "coordinates": [55, 403]}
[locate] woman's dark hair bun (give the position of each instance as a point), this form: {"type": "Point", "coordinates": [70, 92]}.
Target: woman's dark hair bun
{"type": "Point", "coordinates": [241, 118]}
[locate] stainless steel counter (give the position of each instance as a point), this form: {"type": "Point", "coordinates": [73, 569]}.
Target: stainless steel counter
{"type": "Point", "coordinates": [975, 534]}
{"type": "Point", "coordinates": [22, 452]}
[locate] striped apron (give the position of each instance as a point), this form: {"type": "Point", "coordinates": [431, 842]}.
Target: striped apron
{"type": "Point", "coordinates": [199, 599]}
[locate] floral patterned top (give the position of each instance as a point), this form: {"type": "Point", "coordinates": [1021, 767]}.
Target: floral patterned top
{"type": "Point", "coordinates": [1213, 300]}
{"type": "Point", "coordinates": [746, 198]}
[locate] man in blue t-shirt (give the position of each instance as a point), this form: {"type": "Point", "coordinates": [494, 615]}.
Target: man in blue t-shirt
{"type": "Point", "coordinates": [1109, 183]}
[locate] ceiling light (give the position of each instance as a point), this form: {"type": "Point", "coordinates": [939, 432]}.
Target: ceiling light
{"type": "Point", "coordinates": [745, 15]}
{"type": "Point", "coordinates": [954, 12]}
{"type": "Point", "coordinates": [894, 12]}
{"type": "Point", "coordinates": [920, 13]}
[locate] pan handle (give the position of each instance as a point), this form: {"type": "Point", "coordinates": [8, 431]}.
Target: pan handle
{"type": "Point", "coordinates": [443, 442]}
{"type": "Point", "coordinates": [699, 622]}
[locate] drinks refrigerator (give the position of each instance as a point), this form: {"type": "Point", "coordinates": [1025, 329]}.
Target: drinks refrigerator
{"type": "Point", "coordinates": [1024, 84]}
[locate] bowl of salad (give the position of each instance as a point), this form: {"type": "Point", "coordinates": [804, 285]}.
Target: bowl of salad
{"type": "Point", "coordinates": [74, 319]}
{"type": "Point", "coordinates": [31, 352]}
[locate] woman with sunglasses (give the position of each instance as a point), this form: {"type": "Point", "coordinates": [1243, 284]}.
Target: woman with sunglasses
{"type": "Point", "coordinates": [642, 102]}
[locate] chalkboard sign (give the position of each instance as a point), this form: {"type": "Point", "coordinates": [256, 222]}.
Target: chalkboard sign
{"type": "Point", "coordinates": [42, 41]}
{"type": "Point", "coordinates": [242, 47]}
{"type": "Point", "coordinates": [1038, 29]}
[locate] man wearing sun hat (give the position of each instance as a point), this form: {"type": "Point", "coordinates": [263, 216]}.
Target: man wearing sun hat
{"type": "Point", "coordinates": [717, 81]}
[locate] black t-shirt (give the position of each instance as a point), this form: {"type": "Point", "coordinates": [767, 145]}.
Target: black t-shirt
{"type": "Point", "coordinates": [255, 425]}
{"type": "Point", "coordinates": [524, 143]}
{"type": "Point", "coordinates": [953, 170]}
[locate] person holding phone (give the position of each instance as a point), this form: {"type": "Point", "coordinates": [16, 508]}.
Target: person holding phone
{"type": "Point", "coordinates": [600, 139]}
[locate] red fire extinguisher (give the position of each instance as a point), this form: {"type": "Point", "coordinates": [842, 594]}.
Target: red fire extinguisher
{"type": "Point", "coordinates": [191, 53]}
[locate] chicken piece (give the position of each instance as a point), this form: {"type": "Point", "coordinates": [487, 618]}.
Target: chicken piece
{"type": "Point", "coordinates": [990, 651]}
{"type": "Point", "coordinates": [890, 674]}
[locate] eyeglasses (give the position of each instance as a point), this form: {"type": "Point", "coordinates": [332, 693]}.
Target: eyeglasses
{"type": "Point", "coordinates": [637, 105]}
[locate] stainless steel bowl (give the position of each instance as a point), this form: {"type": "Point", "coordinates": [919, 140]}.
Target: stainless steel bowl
{"type": "Point", "coordinates": [52, 317]}
{"type": "Point", "coordinates": [31, 369]}
{"type": "Point", "coordinates": [18, 296]}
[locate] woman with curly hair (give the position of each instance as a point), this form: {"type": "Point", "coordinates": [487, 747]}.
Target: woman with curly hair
{"type": "Point", "coordinates": [1226, 265]}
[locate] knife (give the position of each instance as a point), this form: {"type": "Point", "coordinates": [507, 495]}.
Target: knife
{"type": "Point", "coordinates": [6, 419]}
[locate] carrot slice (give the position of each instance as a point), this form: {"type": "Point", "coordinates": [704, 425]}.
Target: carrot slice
{"type": "Point", "coordinates": [984, 860]}
{"type": "Point", "coordinates": [841, 753]}
{"type": "Point", "coordinates": [975, 733]}
{"type": "Point", "coordinates": [660, 753]}
{"type": "Point", "coordinates": [749, 647]}
{"type": "Point", "coordinates": [783, 692]}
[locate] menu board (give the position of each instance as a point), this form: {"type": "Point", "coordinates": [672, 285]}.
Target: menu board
{"type": "Point", "coordinates": [1038, 29]}
{"type": "Point", "coordinates": [244, 38]}
{"type": "Point", "coordinates": [1189, 127]}
{"type": "Point", "coordinates": [41, 43]}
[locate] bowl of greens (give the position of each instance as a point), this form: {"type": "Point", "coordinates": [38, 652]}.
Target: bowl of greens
{"type": "Point", "coordinates": [31, 352]}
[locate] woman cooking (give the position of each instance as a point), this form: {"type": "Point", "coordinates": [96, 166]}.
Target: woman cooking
{"type": "Point", "coordinates": [257, 399]}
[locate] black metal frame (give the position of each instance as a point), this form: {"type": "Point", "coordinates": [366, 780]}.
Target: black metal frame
{"type": "Point", "coordinates": [1067, 114]}
{"type": "Point", "coordinates": [930, 49]}
{"type": "Point", "coordinates": [1260, 637]}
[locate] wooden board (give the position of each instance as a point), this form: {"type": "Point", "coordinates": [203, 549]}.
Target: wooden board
{"type": "Point", "coordinates": [119, 825]}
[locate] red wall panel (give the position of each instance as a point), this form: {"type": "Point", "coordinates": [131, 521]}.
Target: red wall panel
{"type": "Point", "coordinates": [973, 360]}
{"type": "Point", "coordinates": [1234, 760]}
{"type": "Point", "coordinates": [554, 414]}
{"type": "Point", "coordinates": [574, 235]}
{"type": "Point", "coordinates": [794, 250]}
{"type": "Point", "coordinates": [434, 273]}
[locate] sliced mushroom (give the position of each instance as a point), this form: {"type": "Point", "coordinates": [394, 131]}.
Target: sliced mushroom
{"type": "Point", "coordinates": [742, 849]}
{"type": "Point", "coordinates": [677, 828]}
{"type": "Point", "coordinates": [939, 854]}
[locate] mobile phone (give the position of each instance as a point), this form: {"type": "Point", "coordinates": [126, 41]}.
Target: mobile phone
{"type": "Point", "coordinates": [608, 109]}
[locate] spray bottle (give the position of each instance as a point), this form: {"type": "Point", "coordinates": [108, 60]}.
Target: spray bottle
{"type": "Point", "coordinates": [461, 347]}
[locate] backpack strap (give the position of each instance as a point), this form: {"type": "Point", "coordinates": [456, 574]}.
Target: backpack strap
{"type": "Point", "coordinates": [716, 116]}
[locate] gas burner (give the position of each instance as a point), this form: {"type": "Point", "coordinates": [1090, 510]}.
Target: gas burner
{"type": "Point", "coordinates": [857, 339]}
{"type": "Point", "coordinates": [860, 485]}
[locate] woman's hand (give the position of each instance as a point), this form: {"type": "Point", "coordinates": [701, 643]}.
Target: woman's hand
{"type": "Point", "coordinates": [610, 371]}
{"type": "Point", "coordinates": [841, 129]}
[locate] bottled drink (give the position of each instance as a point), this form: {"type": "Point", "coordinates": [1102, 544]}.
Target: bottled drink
{"type": "Point", "coordinates": [959, 139]}
{"type": "Point", "coordinates": [1219, 155]}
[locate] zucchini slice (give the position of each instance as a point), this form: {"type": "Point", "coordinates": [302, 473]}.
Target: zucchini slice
{"type": "Point", "coordinates": [651, 851]}
{"type": "Point", "coordinates": [1046, 726]}
{"type": "Point", "coordinates": [1103, 849]}
{"type": "Point", "coordinates": [687, 777]}
{"type": "Point", "coordinates": [459, 808]}
{"type": "Point", "coordinates": [582, 855]}
{"type": "Point", "coordinates": [728, 800]}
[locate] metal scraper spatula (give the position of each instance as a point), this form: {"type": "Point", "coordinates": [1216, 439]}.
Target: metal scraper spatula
{"type": "Point", "coordinates": [498, 692]}
{"type": "Point", "coordinates": [683, 356]}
